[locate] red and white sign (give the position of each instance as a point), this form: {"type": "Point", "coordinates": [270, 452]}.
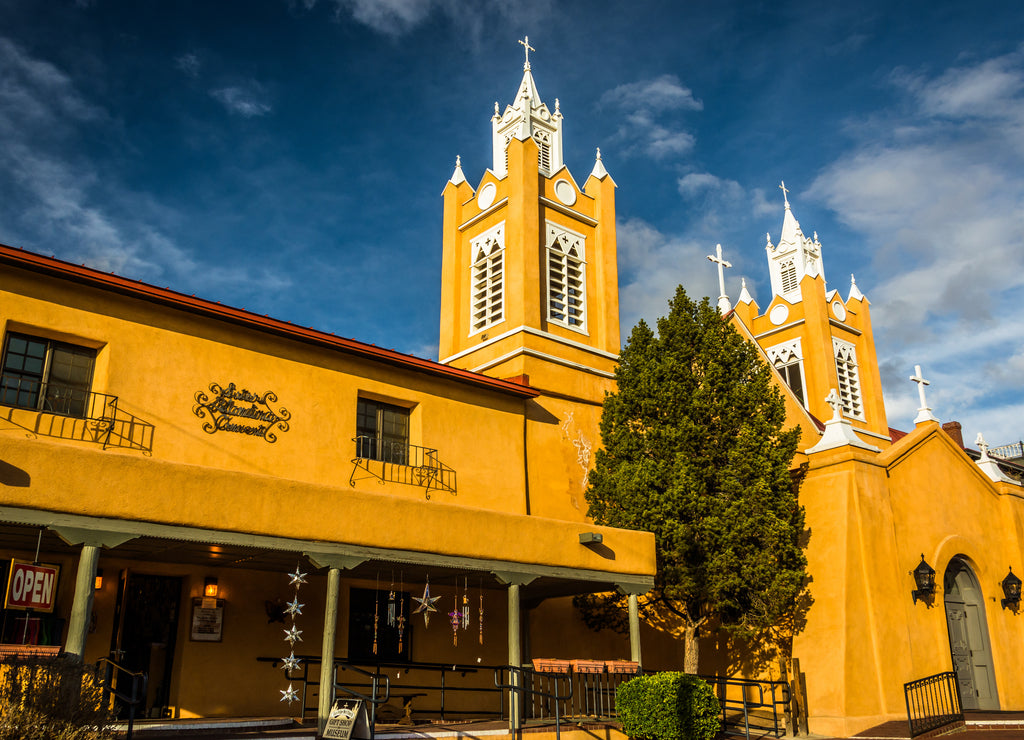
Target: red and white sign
{"type": "Point", "coordinates": [31, 586]}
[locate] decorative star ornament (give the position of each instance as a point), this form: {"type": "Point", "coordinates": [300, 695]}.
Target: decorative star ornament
{"type": "Point", "coordinates": [298, 577]}
{"type": "Point", "coordinates": [292, 635]}
{"type": "Point", "coordinates": [426, 604]}
{"type": "Point", "coordinates": [294, 607]}
{"type": "Point", "coordinates": [290, 694]}
{"type": "Point", "coordinates": [291, 663]}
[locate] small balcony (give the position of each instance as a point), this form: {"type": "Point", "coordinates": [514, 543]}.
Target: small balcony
{"type": "Point", "coordinates": [399, 462]}
{"type": "Point", "coordinates": [75, 413]}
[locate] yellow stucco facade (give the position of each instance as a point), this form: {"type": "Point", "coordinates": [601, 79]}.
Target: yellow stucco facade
{"type": "Point", "coordinates": [209, 442]}
{"type": "Point", "coordinates": [876, 501]}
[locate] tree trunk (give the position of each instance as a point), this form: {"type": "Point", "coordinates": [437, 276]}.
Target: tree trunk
{"type": "Point", "coordinates": [690, 658]}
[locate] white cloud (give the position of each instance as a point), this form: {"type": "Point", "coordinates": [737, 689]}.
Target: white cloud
{"type": "Point", "coordinates": [659, 94]}
{"type": "Point", "coordinates": [645, 106]}
{"type": "Point", "coordinates": [939, 200]}
{"type": "Point", "coordinates": [390, 17]}
{"type": "Point", "coordinates": [248, 100]}
{"type": "Point", "coordinates": [188, 63]}
{"type": "Point", "coordinates": [651, 265]}
{"type": "Point", "coordinates": [704, 183]}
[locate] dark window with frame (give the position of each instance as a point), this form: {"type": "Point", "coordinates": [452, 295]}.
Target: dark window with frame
{"type": "Point", "coordinates": [382, 432]}
{"type": "Point", "coordinates": [791, 374]}
{"type": "Point", "coordinates": [367, 605]}
{"type": "Point", "coordinates": [46, 375]}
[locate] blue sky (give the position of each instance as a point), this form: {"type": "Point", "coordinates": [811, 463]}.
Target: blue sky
{"type": "Point", "coordinates": [287, 156]}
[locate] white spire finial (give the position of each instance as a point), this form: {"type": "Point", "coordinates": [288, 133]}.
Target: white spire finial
{"type": "Point", "coordinates": [785, 192]}
{"type": "Point", "coordinates": [458, 160]}
{"type": "Point", "coordinates": [924, 413]}
{"type": "Point", "coordinates": [599, 171]}
{"type": "Point", "coordinates": [723, 300]}
{"type": "Point", "coordinates": [527, 48]}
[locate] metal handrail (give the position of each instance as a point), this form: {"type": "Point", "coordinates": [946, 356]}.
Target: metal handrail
{"type": "Point", "coordinates": [932, 702]}
{"type": "Point", "coordinates": [54, 398]}
{"type": "Point", "coordinates": [748, 705]}
{"type": "Point", "coordinates": [517, 690]}
{"type": "Point", "coordinates": [400, 462]}
{"type": "Point", "coordinates": [137, 696]}
{"type": "Point", "coordinates": [373, 698]}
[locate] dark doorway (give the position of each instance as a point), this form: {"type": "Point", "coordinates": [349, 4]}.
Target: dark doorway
{"type": "Point", "coordinates": [968, 637]}
{"type": "Point", "coordinates": [145, 631]}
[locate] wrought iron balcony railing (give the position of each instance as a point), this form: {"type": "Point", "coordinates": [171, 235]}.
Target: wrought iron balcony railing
{"type": "Point", "coordinates": [83, 414]}
{"type": "Point", "coordinates": [400, 462]}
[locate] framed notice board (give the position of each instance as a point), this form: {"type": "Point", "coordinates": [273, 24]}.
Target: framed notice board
{"type": "Point", "coordinates": [207, 620]}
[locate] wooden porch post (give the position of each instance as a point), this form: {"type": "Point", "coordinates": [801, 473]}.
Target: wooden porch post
{"type": "Point", "coordinates": [335, 564]}
{"type": "Point", "coordinates": [515, 650]}
{"type": "Point", "coordinates": [81, 608]}
{"type": "Point", "coordinates": [632, 593]}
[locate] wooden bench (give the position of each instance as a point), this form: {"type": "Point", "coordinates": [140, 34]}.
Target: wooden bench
{"type": "Point", "coordinates": [29, 651]}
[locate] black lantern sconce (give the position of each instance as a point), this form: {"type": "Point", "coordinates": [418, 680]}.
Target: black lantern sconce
{"type": "Point", "coordinates": [924, 579]}
{"type": "Point", "coordinates": [1011, 590]}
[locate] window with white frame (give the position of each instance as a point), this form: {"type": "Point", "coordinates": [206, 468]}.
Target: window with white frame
{"type": "Point", "coordinates": [787, 358]}
{"type": "Point", "coordinates": [543, 150]}
{"type": "Point", "coordinates": [487, 292]}
{"type": "Point", "coordinates": [787, 275]}
{"type": "Point", "coordinates": [566, 277]}
{"type": "Point", "coordinates": [849, 380]}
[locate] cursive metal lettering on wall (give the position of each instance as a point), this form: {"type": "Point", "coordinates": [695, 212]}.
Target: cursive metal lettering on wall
{"type": "Point", "coordinates": [240, 411]}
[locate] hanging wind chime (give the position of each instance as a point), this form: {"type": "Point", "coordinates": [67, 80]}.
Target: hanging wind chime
{"type": "Point", "coordinates": [391, 602]}
{"type": "Point", "coordinates": [400, 622]}
{"type": "Point", "coordinates": [376, 611]}
{"type": "Point", "coordinates": [481, 611]}
{"type": "Point", "coordinates": [293, 634]}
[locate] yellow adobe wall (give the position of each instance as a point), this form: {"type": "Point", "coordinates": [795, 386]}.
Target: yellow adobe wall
{"type": "Point", "coordinates": [155, 360]}
{"type": "Point", "coordinates": [870, 517]}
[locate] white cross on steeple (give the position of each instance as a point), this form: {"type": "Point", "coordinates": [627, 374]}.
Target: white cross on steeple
{"type": "Point", "coordinates": [924, 413]}
{"type": "Point", "coordinates": [527, 48]}
{"type": "Point", "coordinates": [983, 446]}
{"type": "Point", "coordinates": [723, 300]}
{"type": "Point", "coordinates": [785, 192]}
{"type": "Point", "coordinates": [833, 400]}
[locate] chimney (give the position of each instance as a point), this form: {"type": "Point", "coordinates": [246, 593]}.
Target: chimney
{"type": "Point", "coordinates": [952, 428]}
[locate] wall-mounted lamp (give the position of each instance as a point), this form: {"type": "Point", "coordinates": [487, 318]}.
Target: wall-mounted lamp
{"type": "Point", "coordinates": [591, 538]}
{"type": "Point", "coordinates": [98, 582]}
{"type": "Point", "coordinates": [210, 587]}
{"type": "Point", "coordinates": [924, 579]}
{"type": "Point", "coordinates": [1011, 590]}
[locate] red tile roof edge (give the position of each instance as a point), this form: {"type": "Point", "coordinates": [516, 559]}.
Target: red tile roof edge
{"type": "Point", "coordinates": [34, 262]}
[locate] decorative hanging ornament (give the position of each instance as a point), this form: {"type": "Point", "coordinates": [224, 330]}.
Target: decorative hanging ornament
{"type": "Point", "coordinates": [293, 635]}
{"type": "Point", "coordinates": [464, 616]}
{"type": "Point", "coordinates": [289, 695]}
{"type": "Point", "coordinates": [376, 611]}
{"type": "Point", "coordinates": [481, 612]}
{"type": "Point", "coordinates": [391, 602]}
{"type": "Point", "coordinates": [294, 607]}
{"type": "Point", "coordinates": [400, 622]}
{"type": "Point", "coordinates": [298, 577]}
{"type": "Point", "coordinates": [426, 604]}
{"type": "Point", "coordinates": [455, 617]}
{"type": "Point", "coordinates": [291, 663]}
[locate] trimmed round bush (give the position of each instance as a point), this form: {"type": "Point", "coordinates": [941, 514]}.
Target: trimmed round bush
{"type": "Point", "coordinates": [668, 706]}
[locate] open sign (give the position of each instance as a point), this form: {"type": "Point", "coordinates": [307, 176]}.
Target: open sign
{"type": "Point", "coordinates": [31, 586]}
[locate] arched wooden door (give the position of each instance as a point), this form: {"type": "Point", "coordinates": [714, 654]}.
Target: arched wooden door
{"type": "Point", "coordinates": [968, 637]}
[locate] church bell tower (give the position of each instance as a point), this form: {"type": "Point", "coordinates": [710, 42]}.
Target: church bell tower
{"type": "Point", "coordinates": [529, 277]}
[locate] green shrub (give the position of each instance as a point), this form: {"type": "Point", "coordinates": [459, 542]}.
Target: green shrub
{"type": "Point", "coordinates": [51, 698]}
{"type": "Point", "coordinates": [667, 706]}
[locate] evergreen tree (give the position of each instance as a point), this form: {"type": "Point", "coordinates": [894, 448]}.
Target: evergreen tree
{"type": "Point", "coordinates": [694, 451]}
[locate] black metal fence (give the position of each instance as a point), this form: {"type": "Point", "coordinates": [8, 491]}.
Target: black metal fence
{"type": "Point", "coordinates": [932, 702]}
{"type": "Point", "coordinates": [751, 708]}
{"type": "Point", "coordinates": [400, 462]}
